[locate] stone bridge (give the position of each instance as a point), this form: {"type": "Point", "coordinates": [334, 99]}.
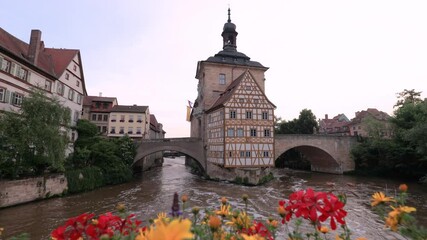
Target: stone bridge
{"type": "Point", "coordinates": [326, 153]}
{"type": "Point", "coordinates": [192, 147]}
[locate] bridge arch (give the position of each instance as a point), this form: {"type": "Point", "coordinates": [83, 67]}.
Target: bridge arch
{"type": "Point", "coordinates": [330, 154]}
{"type": "Point", "coordinates": [191, 147]}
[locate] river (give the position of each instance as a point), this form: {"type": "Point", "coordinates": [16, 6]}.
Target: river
{"type": "Point", "coordinates": [153, 192]}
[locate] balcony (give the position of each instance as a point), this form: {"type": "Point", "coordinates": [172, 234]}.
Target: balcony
{"type": "Point", "coordinates": [121, 132]}
{"type": "Point", "coordinates": [130, 132]}
{"type": "Point", "coordinates": [130, 120]}
{"type": "Point", "coordinates": [122, 120]}
{"type": "Point", "coordinates": [113, 120]}
{"type": "Point", "coordinates": [140, 121]}
{"type": "Point", "coordinates": [138, 132]}
{"type": "Point", "coordinates": [112, 131]}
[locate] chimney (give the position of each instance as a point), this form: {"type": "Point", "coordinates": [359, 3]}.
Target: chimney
{"type": "Point", "coordinates": [326, 116]}
{"type": "Point", "coordinates": [35, 43]}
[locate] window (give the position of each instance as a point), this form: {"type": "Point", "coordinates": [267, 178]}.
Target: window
{"type": "Point", "coordinates": [105, 105]}
{"type": "Point", "coordinates": [60, 88]}
{"type": "Point", "coordinates": [105, 118]}
{"type": "Point", "coordinates": [4, 65]}
{"type": "Point", "coordinates": [241, 100]}
{"type": "Point", "coordinates": [2, 94]}
{"type": "Point", "coordinates": [230, 132]}
{"type": "Point", "coordinates": [248, 88]}
{"type": "Point", "coordinates": [242, 154]}
{"type": "Point", "coordinates": [113, 130]}
{"type": "Point", "coordinates": [233, 114]}
{"type": "Point", "coordinates": [240, 132]}
{"type": "Point", "coordinates": [130, 130]}
{"type": "Point", "coordinates": [99, 117]}
{"type": "Point", "coordinates": [79, 98]}
{"type": "Point", "coordinates": [256, 101]}
{"type": "Point", "coordinates": [71, 94]}
{"type": "Point", "coordinates": [222, 78]}
{"type": "Point", "coordinates": [76, 116]}
{"type": "Point", "coordinates": [248, 114]}
{"type": "Point", "coordinates": [104, 129]}
{"type": "Point", "coordinates": [17, 99]}
{"type": "Point", "coordinates": [230, 153]}
{"type": "Point", "coordinates": [130, 118]}
{"type": "Point", "coordinates": [93, 117]}
{"type": "Point", "coordinates": [67, 76]}
{"type": "Point", "coordinates": [22, 73]}
{"type": "Point", "coordinates": [77, 83]}
{"type": "Point", "coordinates": [264, 115]}
{"type": "Point", "coordinates": [74, 67]}
{"type": "Point", "coordinates": [248, 154]}
{"type": "Point", "coordinates": [253, 132]}
{"type": "Point", "coordinates": [138, 130]}
{"type": "Point", "coordinates": [122, 118]}
{"type": "Point", "coordinates": [266, 132]}
{"type": "Point", "coordinates": [48, 85]}
{"type": "Point", "coordinates": [122, 130]}
{"type": "Point", "coordinates": [113, 117]}
{"type": "Point", "coordinates": [139, 119]}
{"type": "Point", "coordinates": [266, 154]}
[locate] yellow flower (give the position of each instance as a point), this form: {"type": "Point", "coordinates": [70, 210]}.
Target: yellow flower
{"type": "Point", "coordinates": [214, 222]}
{"type": "Point", "coordinates": [324, 229]}
{"type": "Point", "coordinates": [224, 211]}
{"type": "Point", "coordinates": [393, 219]}
{"type": "Point", "coordinates": [161, 218]}
{"type": "Point", "coordinates": [337, 237]}
{"type": "Point", "coordinates": [253, 237]}
{"type": "Point", "coordinates": [378, 198]}
{"type": "Point", "coordinates": [176, 230]}
{"type": "Point", "coordinates": [403, 187]}
{"type": "Point", "coordinates": [273, 223]}
{"type": "Point", "coordinates": [121, 207]}
{"type": "Point", "coordinates": [407, 209]}
{"type": "Point", "coordinates": [241, 220]}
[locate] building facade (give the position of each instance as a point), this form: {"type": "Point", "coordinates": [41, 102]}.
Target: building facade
{"type": "Point", "coordinates": [131, 120]}
{"type": "Point", "coordinates": [97, 110]}
{"type": "Point", "coordinates": [337, 125]}
{"type": "Point", "coordinates": [57, 71]}
{"type": "Point", "coordinates": [370, 121]}
{"type": "Point", "coordinates": [232, 114]}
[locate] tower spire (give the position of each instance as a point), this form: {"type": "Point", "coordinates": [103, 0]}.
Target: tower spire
{"type": "Point", "coordinates": [229, 18]}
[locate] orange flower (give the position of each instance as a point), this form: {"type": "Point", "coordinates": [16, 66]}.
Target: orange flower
{"type": "Point", "coordinates": [214, 222]}
{"type": "Point", "coordinates": [224, 200]}
{"type": "Point", "coordinates": [361, 238]}
{"type": "Point", "coordinates": [324, 229]}
{"type": "Point", "coordinates": [403, 187]}
{"type": "Point", "coordinates": [184, 198]}
{"type": "Point", "coordinates": [224, 211]}
{"type": "Point", "coordinates": [378, 198]}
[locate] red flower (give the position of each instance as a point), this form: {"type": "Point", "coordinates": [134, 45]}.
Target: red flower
{"type": "Point", "coordinates": [332, 208]}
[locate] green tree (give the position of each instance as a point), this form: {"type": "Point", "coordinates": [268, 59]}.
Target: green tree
{"type": "Point", "coordinates": [408, 96]}
{"type": "Point", "coordinates": [305, 124]}
{"type": "Point", "coordinates": [35, 137]}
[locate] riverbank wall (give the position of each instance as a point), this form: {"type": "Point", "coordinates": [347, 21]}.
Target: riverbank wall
{"type": "Point", "coordinates": [30, 189]}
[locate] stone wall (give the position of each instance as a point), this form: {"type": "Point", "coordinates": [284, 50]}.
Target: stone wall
{"type": "Point", "coordinates": [30, 189]}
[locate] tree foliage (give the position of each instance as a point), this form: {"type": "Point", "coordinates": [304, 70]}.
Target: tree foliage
{"type": "Point", "coordinates": [405, 153]}
{"type": "Point", "coordinates": [34, 139]}
{"type": "Point", "coordinates": [305, 124]}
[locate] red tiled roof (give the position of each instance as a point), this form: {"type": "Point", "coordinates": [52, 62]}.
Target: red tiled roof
{"type": "Point", "coordinates": [370, 112]}
{"type": "Point", "coordinates": [50, 60]}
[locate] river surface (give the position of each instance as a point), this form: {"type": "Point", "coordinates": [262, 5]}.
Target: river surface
{"type": "Point", "coordinates": [153, 192]}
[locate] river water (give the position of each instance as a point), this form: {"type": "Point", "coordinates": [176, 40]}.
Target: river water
{"type": "Point", "coordinates": [153, 192]}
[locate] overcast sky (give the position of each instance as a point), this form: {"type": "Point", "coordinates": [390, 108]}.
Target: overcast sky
{"type": "Point", "coordinates": [328, 56]}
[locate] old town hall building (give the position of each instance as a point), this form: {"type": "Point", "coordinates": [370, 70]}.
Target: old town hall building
{"type": "Point", "coordinates": [232, 114]}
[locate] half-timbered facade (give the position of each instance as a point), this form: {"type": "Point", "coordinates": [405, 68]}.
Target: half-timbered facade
{"type": "Point", "coordinates": [232, 114]}
{"type": "Point", "coordinates": [241, 126]}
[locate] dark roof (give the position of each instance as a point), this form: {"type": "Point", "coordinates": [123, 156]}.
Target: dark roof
{"type": "Point", "coordinates": [153, 123]}
{"type": "Point", "coordinates": [129, 109]}
{"type": "Point", "coordinates": [88, 100]}
{"type": "Point", "coordinates": [338, 121]}
{"type": "Point", "coordinates": [232, 56]}
{"type": "Point", "coordinates": [50, 60]}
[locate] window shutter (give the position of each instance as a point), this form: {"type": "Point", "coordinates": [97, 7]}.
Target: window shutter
{"type": "Point", "coordinates": [1, 62]}
{"type": "Point", "coordinates": [28, 76]}
{"type": "Point", "coordinates": [7, 96]}
{"type": "Point", "coordinates": [12, 69]}
{"type": "Point", "coordinates": [12, 98]}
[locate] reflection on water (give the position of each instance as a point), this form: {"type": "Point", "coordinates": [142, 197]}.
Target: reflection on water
{"type": "Point", "coordinates": [153, 192]}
